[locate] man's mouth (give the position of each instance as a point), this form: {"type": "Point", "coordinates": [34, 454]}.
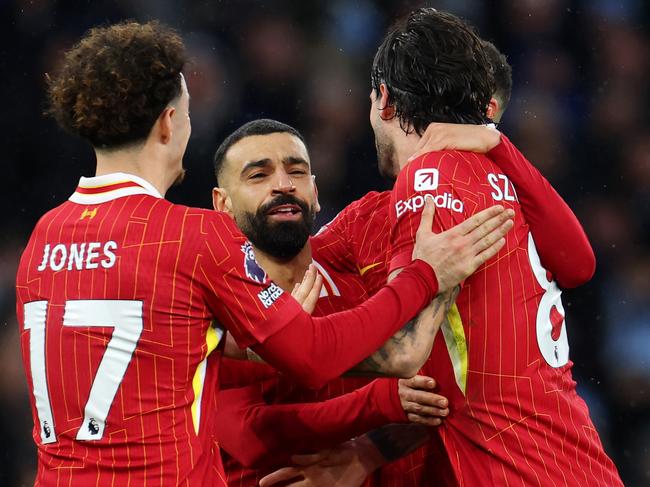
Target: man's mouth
{"type": "Point", "coordinates": [285, 212]}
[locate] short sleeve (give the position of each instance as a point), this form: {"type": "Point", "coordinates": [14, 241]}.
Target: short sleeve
{"type": "Point", "coordinates": [236, 289]}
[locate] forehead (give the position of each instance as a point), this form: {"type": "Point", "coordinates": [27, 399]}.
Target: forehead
{"type": "Point", "coordinates": [276, 147]}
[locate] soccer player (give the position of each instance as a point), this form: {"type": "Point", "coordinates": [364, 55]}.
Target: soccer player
{"type": "Point", "coordinates": [564, 250]}
{"type": "Point", "coordinates": [515, 417]}
{"type": "Point", "coordinates": [502, 73]}
{"type": "Point", "coordinates": [117, 289]}
{"type": "Point", "coordinates": [264, 177]}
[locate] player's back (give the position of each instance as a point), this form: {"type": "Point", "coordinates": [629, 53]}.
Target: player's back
{"type": "Point", "coordinates": [502, 355]}
{"type": "Point", "coordinates": [117, 341]}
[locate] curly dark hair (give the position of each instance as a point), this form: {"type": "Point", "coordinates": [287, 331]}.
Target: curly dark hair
{"type": "Point", "coordinates": [502, 72]}
{"type": "Point", "coordinates": [435, 69]}
{"type": "Point", "coordinates": [116, 81]}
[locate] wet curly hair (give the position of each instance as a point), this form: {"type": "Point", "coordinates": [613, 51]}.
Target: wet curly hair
{"type": "Point", "coordinates": [113, 84]}
{"type": "Point", "coordinates": [435, 69]}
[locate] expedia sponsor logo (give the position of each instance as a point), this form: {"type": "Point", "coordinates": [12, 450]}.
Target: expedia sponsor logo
{"type": "Point", "coordinates": [416, 203]}
{"type": "Point", "coordinates": [270, 295]}
{"type": "Point", "coordinates": [426, 179]}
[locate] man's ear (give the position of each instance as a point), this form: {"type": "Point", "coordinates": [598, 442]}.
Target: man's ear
{"type": "Point", "coordinates": [386, 109]}
{"type": "Point", "coordinates": [492, 109]}
{"type": "Point", "coordinates": [164, 125]}
{"type": "Point", "coordinates": [221, 201]}
{"type": "Point", "coordinates": [316, 203]}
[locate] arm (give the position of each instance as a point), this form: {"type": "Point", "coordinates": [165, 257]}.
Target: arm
{"type": "Point", "coordinates": [563, 246]}
{"type": "Point", "coordinates": [262, 316]}
{"type": "Point", "coordinates": [405, 352]}
{"type": "Point", "coordinates": [273, 432]}
{"type": "Point", "coordinates": [349, 464]}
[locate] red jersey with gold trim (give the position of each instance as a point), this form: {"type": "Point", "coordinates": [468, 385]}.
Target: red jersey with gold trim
{"type": "Point", "coordinates": [340, 291]}
{"type": "Point", "coordinates": [502, 357]}
{"type": "Point", "coordinates": [357, 239]}
{"type": "Point", "coordinates": [117, 290]}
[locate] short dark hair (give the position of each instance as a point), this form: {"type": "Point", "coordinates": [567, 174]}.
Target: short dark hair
{"type": "Point", "coordinates": [261, 126]}
{"type": "Point", "coordinates": [116, 81]}
{"type": "Point", "coordinates": [435, 69]}
{"type": "Point", "coordinates": [502, 72]}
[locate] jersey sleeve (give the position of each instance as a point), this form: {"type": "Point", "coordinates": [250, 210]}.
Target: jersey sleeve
{"type": "Point", "coordinates": [561, 241]}
{"type": "Point", "coordinates": [249, 306]}
{"type": "Point", "coordinates": [262, 316]}
{"type": "Point", "coordinates": [428, 177]}
{"type": "Point", "coordinates": [257, 434]}
{"type": "Point", "coordinates": [334, 241]}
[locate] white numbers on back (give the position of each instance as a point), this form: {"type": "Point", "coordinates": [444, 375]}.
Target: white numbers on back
{"type": "Point", "coordinates": [550, 312]}
{"type": "Point", "coordinates": [503, 188]}
{"type": "Point", "coordinates": [125, 317]}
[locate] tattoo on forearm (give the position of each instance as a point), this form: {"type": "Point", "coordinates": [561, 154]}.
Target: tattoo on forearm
{"type": "Point", "coordinates": [396, 440]}
{"type": "Point", "coordinates": [417, 331]}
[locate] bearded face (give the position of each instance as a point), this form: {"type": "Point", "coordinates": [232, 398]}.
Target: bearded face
{"type": "Point", "coordinates": [280, 227]}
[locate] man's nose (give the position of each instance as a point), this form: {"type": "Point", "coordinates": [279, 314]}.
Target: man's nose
{"type": "Point", "coordinates": [284, 184]}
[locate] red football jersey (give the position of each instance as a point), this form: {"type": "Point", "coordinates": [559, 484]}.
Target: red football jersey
{"type": "Point", "coordinates": [116, 294]}
{"type": "Point", "coordinates": [502, 355]}
{"type": "Point", "coordinates": [357, 239]}
{"type": "Point", "coordinates": [340, 291]}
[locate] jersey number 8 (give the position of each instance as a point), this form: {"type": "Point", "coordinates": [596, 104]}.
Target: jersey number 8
{"type": "Point", "coordinates": [550, 314]}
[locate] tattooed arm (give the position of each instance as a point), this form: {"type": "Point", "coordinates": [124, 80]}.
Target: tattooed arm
{"type": "Point", "coordinates": [405, 352]}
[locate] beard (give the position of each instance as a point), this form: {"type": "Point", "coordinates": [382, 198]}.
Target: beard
{"type": "Point", "coordinates": [386, 158]}
{"type": "Point", "coordinates": [282, 240]}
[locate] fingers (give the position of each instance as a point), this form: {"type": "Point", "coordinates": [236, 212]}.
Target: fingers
{"type": "Point", "coordinates": [492, 230]}
{"type": "Point", "coordinates": [419, 382]}
{"type": "Point", "coordinates": [314, 293]}
{"type": "Point", "coordinates": [477, 220]}
{"type": "Point", "coordinates": [488, 253]}
{"type": "Point", "coordinates": [309, 459]}
{"type": "Point", "coordinates": [282, 475]}
{"type": "Point", "coordinates": [421, 405]}
{"type": "Point", "coordinates": [425, 420]}
{"type": "Point", "coordinates": [426, 223]}
{"type": "Point", "coordinates": [307, 291]}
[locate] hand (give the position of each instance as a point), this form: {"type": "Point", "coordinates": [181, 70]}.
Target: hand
{"type": "Point", "coordinates": [421, 405]}
{"type": "Point", "coordinates": [456, 253]}
{"type": "Point", "coordinates": [347, 465]}
{"type": "Point", "coordinates": [307, 291]}
{"type": "Point", "coordinates": [454, 136]}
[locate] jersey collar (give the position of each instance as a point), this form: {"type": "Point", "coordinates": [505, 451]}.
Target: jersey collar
{"type": "Point", "coordinates": [101, 189]}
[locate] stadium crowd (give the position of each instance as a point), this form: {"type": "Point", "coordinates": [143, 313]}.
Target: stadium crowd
{"type": "Point", "coordinates": [578, 110]}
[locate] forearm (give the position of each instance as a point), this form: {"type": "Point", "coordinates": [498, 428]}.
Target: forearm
{"type": "Point", "coordinates": [405, 353]}
{"type": "Point", "coordinates": [560, 239]}
{"type": "Point", "coordinates": [324, 348]}
{"type": "Point", "coordinates": [394, 441]}
{"type": "Point", "coordinates": [257, 434]}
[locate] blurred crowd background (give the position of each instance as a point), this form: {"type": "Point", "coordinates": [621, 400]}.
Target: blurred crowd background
{"type": "Point", "coordinates": [579, 111]}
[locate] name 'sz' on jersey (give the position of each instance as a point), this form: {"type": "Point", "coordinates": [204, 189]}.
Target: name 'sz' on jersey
{"type": "Point", "coordinates": [502, 357]}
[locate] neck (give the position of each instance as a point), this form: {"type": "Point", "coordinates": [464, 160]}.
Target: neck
{"type": "Point", "coordinates": [139, 161]}
{"type": "Point", "coordinates": [285, 273]}
{"type": "Point", "coordinates": [405, 145]}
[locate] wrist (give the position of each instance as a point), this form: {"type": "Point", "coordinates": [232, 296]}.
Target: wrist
{"type": "Point", "coordinates": [367, 453]}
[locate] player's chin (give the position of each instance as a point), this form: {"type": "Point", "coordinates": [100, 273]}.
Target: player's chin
{"type": "Point", "coordinates": [180, 178]}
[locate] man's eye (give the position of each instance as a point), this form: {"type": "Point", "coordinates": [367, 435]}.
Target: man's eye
{"type": "Point", "coordinates": [298, 172]}
{"type": "Point", "coordinates": [258, 175]}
